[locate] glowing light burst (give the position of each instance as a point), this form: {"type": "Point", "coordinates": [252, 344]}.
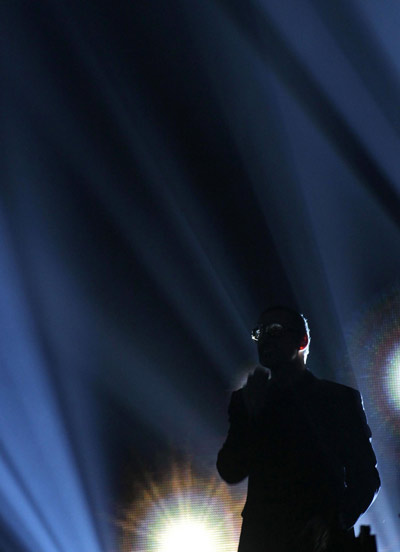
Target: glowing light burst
{"type": "Point", "coordinates": [393, 378]}
{"type": "Point", "coordinates": [182, 512]}
{"type": "Point", "coordinates": [375, 350]}
{"type": "Point", "coordinates": [186, 534]}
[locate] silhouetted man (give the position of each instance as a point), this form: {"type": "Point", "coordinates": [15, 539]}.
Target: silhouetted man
{"type": "Point", "coordinates": [304, 444]}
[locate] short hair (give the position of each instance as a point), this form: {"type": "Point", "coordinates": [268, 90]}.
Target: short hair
{"type": "Point", "coordinates": [301, 320]}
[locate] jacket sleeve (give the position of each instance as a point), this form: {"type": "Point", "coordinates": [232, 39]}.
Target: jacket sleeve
{"type": "Point", "coordinates": [361, 474]}
{"type": "Point", "coordinates": [234, 456]}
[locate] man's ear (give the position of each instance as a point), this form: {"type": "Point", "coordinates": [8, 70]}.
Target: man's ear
{"type": "Point", "coordinates": [303, 343]}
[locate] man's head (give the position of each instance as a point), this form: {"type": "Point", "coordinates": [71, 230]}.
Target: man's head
{"type": "Point", "coordinates": [282, 337]}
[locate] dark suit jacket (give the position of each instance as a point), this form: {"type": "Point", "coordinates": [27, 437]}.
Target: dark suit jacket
{"type": "Point", "coordinates": [307, 453]}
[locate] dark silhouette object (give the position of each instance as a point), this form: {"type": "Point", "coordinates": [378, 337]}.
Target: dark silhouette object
{"type": "Point", "coordinates": [304, 444]}
{"type": "Point", "coordinates": [365, 541]}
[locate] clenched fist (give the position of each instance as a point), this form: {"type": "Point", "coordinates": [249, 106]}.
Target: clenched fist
{"type": "Point", "coordinates": [256, 389]}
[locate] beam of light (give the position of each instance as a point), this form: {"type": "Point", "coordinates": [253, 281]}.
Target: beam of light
{"type": "Point", "coordinates": [44, 498]}
{"type": "Point", "coordinates": [182, 511]}
{"type": "Point", "coordinates": [187, 222]}
{"type": "Point", "coordinates": [393, 378]}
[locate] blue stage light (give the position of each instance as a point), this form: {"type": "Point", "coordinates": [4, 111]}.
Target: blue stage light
{"type": "Point", "coordinates": [393, 378]}
{"type": "Point", "coordinates": [51, 491]}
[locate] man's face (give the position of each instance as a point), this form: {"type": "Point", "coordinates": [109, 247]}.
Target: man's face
{"type": "Point", "coordinates": [278, 347]}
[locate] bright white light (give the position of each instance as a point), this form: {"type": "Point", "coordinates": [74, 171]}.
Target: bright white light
{"type": "Point", "coordinates": [183, 512]}
{"type": "Point", "coordinates": [183, 535]}
{"type": "Point", "coordinates": [393, 378]}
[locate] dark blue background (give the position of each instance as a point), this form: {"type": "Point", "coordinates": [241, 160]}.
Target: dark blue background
{"type": "Point", "coordinates": [168, 170]}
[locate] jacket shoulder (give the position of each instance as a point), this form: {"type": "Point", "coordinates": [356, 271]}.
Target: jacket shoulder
{"type": "Point", "coordinates": [338, 388]}
{"type": "Point", "coordinates": [339, 396]}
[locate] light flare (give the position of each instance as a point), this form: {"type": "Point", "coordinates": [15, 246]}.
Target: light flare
{"type": "Point", "coordinates": [393, 378]}
{"type": "Point", "coordinates": [187, 534]}
{"type": "Point", "coordinates": [183, 511]}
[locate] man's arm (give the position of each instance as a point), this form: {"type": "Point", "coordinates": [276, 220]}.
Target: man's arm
{"type": "Point", "coordinates": [233, 458]}
{"type": "Point", "coordinates": [362, 477]}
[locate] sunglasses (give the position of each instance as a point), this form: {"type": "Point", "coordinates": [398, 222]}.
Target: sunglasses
{"type": "Point", "coordinates": [273, 330]}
